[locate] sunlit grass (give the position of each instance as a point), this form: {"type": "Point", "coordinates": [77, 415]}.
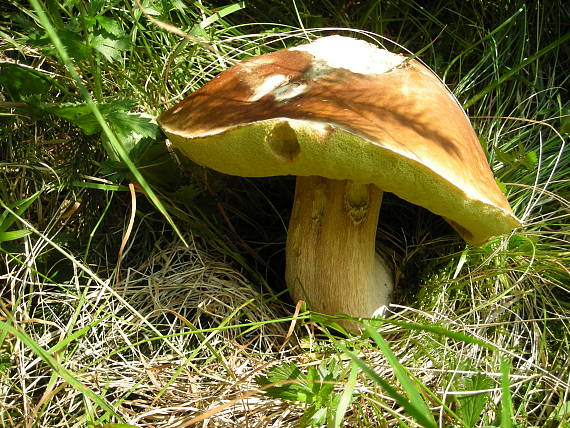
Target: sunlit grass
{"type": "Point", "coordinates": [478, 336]}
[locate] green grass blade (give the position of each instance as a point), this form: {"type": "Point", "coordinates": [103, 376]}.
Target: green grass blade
{"type": "Point", "coordinates": [13, 235]}
{"type": "Point", "coordinates": [19, 207]}
{"type": "Point", "coordinates": [221, 13]}
{"type": "Point", "coordinates": [346, 396]}
{"type": "Point", "coordinates": [76, 335]}
{"type": "Point", "coordinates": [482, 39]}
{"type": "Point", "coordinates": [412, 392]}
{"type": "Point", "coordinates": [436, 329]}
{"type": "Point", "coordinates": [57, 367]}
{"type": "Point", "coordinates": [100, 186]}
{"type": "Point", "coordinates": [515, 70]}
{"type": "Point", "coordinates": [506, 400]}
{"type": "Point", "coordinates": [412, 411]}
{"type": "Point", "coordinates": [104, 126]}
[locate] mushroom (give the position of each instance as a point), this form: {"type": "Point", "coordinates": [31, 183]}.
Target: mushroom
{"type": "Point", "coordinates": [351, 121]}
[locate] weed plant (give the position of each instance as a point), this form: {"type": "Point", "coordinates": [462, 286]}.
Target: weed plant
{"type": "Point", "coordinates": [138, 289]}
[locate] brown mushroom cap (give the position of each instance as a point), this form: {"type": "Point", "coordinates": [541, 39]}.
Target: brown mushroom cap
{"type": "Point", "coordinates": [321, 109]}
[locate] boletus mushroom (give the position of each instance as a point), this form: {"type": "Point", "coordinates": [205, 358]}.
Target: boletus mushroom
{"type": "Point", "coordinates": [351, 121]}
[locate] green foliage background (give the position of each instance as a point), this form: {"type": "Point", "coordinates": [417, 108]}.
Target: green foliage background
{"type": "Point", "coordinates": [80, 85]}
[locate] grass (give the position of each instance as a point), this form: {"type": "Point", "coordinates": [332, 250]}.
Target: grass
{"type": "Point", "coordinates": [140, 290]}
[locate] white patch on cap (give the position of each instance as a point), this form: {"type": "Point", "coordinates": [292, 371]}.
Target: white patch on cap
{"type": "Point", "coordinates": [279, 87]}
{"type": "Point", "coordinates": [285, 93]}
{"type": "Point", "coordinates": [354, 55]}
{"type": "Point", "coordinates": [253, 63]}
{"type": "Point", "coordinates": [267, 86]}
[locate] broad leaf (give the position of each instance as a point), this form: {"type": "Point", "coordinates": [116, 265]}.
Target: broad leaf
{"type": "Point", "coordinates": [19, 83]}
{"type": "Point", "coordinates": [110, 47]}
{"type": "Point", "coordinates": [470, 405]}
{"type": "Point", "coordinates": [292, 383]}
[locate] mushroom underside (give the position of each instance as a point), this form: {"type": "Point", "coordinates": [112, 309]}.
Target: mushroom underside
{"type": "Point", "coordinates": [283, 146]}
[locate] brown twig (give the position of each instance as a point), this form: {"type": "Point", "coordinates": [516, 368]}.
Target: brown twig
{"type": "Point", "coordinates": [128, 231]}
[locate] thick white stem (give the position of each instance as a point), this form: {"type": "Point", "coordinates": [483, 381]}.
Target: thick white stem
{"type": "Point", "coordinates": [331, 258]}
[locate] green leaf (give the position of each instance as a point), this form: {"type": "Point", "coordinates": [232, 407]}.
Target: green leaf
{"type": "Point", "coordinates": [73, 43]}
{"type": "Point", "coordinates": [13, 235]}
{"type": "Point", "coordinates": [297, 390]}
{"type": "Point", "coordinates": [523, 243]}
{"type": "Point", "coordinates": [19, 82]}
{"type": "Point", "coordinates": [346, 398]}
{"type": "Point", "coordinates": [531, 159]}
{"type": "Point", "coordinates": [315, 387]}
{"type": "Point", "coordinates": [124, 124]}
{"type": "Point", "coordinates": [313, 416]}
{"type": "Point", "coordinates": [501, 185]}
{"type": "Point", "coordinates": [150, 9]}
{"type": "Point", "coordinates": [19, 207]}
{"type": "Point", "coordinates": [79, 114]}
{"type": "Point", "coordinates": [470, 406]}
{"type": "Point", "coordinates": [138, 135]}
{"type": "Point", "coordinates": [109, 47]}
{"type": "Point", "coordinates": [220, 13]}
{"type": "Point", "coordinates": [414, 412]}
{"type": "Point", "coordinates": [69, 4]}
{"type": "Point", "coordinates": [110, 25]}
{"type": "Point", "coordinates": [504, 156]}
{"type": "Point", "coordinates": [416, 400]}
{"type": "Point", "coordinates": [66, 60]}
{"type": "Point", "coordinates": [95, 7]}
{"type": "Point", "coordinates": [176, 5]}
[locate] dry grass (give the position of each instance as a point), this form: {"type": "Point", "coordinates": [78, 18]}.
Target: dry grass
{"type": "Point", "coordinates": [183, 332]}
{"type": "Point", "coordinates": [184, 335]}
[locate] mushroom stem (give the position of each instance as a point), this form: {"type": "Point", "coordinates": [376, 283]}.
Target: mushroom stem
{"type": "Point", "coordinates": [331, 258]}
